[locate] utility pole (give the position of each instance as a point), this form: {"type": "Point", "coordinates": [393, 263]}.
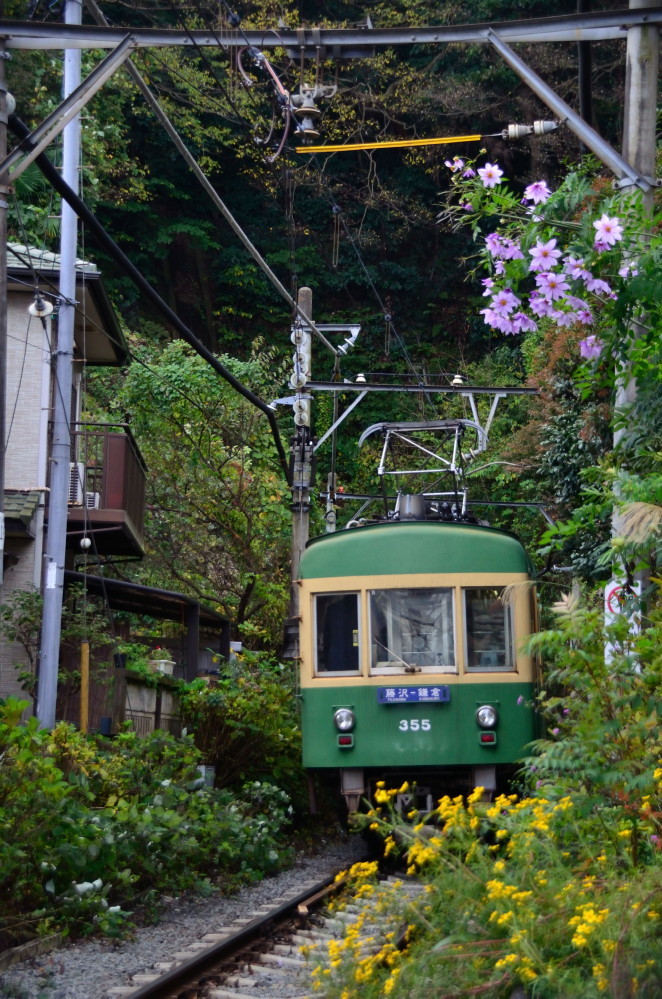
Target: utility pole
{"type": "Point", "coordinates": [639, 139]}
{"type": "Point", "coordinates": [4, 192]}
{"type": "Point", "coordinates": [639, 149]}
{"type": "Point", "coordinates": [302, 460]}
{"type": "Point", "coordinates": [56, 538]}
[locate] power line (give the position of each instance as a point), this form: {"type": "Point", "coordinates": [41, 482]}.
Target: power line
{"type": "Point", "coordinates": [21, 130]}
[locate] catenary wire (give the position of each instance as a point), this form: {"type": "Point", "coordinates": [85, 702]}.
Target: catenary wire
{"type": "Point", "coordinates": [21, 130]}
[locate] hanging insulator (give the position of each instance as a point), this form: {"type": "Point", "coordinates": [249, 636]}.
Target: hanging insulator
{"type": "Point", "coordinates": [538, 128]}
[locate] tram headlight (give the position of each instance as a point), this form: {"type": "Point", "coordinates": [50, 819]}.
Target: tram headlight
{"type": "Point", "coordinates": [344, 720]}
{"type": "Point", "coordinates": [487, 716]}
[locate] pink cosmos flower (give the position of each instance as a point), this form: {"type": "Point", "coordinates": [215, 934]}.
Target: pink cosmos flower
{"type": "Point", "coordinates": [575, 268]}
{"type": "Point", "coordinates": [487, 284]}
{"type": "Point", "coordinates": [490, 175]}
{"type": "Point", "coordinates": [497, 321]}
{"type": "Point", "coordinates": [540, 305]}
{"type": "Point", "coordinates": [600, 247]}
{"type": "Point", "coordinates": [523, 323]}
{"type": "Point", "coordinates": [608, 230]}
{"type": "Point", "coordinates": [628, 270]}
{"type": "Point", "coordinates": [585, 316]}
{"type": "Point", "coordinates": [552, 285]}
{"type": "Point", "coordinates": [469, 173]}
{"type": "Point", "coordinates": [544, 255]}
{"type": "Point", "coordinates": [598, 286]}
{"type": "Point", "coordinates": [511, 250]}
{"type": "Point", "coordinates": [563, 319]}
{"type": "Point", "coordinates": [504, 302]}
{"type": "Point", "coordinates": [455, 164]}
{"type": "Point", "coordinates": [494, 244]}
{"type": "Point", "coordinates": [538, 192]}
{"type": "Point", "coordinates": [502, 246]}
{"type": "Point", "coordinates": [499, 268]}
{"type": "Point", "coordinates": [590, 348]}
{"type": "Point", "coordinates": [576, 303]}
{"type": "Point", "coordinates": [489, 316]}
{"type": "Point", "coordinates": [468, 207]}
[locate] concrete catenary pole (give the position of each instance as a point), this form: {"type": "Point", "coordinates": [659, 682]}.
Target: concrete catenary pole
{"type": "Point", "coordinates": [302, 455]}
{"type": "Point", "coordinates": [639, 149]}
{"type": "Point", "coordinates": [60, 475]}
{"type": "Point", "coordinates": [4, 190]}
{"type": "Point", "coordinates": [639, 139]}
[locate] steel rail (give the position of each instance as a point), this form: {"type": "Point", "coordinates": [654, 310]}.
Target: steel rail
{"type": "Point", "coordinates": [188, 972]}
{"type": "Point", "coordinates": [344, 43]}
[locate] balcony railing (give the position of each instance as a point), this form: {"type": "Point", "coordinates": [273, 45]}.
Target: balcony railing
{"type": "Point", "coordinates": [107, 488]}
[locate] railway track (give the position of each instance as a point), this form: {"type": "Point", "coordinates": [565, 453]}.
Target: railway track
{"type": "Point", "coordinates": [269, 954]}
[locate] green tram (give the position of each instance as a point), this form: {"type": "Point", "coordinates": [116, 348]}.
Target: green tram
{"type": "Point", "coordinates": [411, 663]}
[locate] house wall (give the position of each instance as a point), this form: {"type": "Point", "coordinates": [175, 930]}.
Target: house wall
{"type": "Point", "coordinates": [26, 415]}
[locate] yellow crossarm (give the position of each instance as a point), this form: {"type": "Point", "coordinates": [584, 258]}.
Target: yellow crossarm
{"type": "Point", "coordinates": [394, 144]}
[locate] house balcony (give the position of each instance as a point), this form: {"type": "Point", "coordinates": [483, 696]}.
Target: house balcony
{"type": "Point", "coordinates": [107, 491]}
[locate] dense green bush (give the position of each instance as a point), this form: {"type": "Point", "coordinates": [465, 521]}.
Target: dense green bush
{"type": "Point", "coordinates": [557, 893]}
{"type": "Point", "coordinates": [246, 725]}
{"type": "Point", "coordinates": [90, 828]}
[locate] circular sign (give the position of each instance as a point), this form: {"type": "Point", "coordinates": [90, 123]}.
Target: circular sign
{"type": "Point", "coordinates": [616, 598]}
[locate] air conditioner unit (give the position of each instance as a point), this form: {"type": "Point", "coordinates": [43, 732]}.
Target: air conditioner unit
{"type": "Point", "coordinates": [76, 482]}
{"type": "Point", "coordinates": [92, 501]}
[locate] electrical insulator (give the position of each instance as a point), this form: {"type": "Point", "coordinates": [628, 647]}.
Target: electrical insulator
{"type": "Point", "coordinates": [545, 127]}
{"type": "Point", "coordinates": [301, 408]}
{"type": "Point", "coordinates": [538, 128]}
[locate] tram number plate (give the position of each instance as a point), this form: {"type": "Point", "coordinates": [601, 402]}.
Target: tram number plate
{"type": "Point", "coordinates": [414, 725]}
{"type": "Point", "coordinates": [439, 694]}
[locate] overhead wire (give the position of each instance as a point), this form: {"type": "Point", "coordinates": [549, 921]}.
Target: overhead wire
{"type": "Point", "coordinates": [135, 358]}
{"type": "Point", "coordinates": [215, 197]}
{"type": "Point", "coordinates": [339, 214]}
{"type": "Point", "coordinates": [20, 129]}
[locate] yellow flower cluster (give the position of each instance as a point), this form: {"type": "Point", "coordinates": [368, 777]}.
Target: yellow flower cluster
{"type": "Point", "coordinates": [585, 922]}
{"type": "Point", "coordinates": [521, 965]}
{"type": "Point", "coordinates": [423, 852]}
{"type": "Point", "coordinates": [600, 974]}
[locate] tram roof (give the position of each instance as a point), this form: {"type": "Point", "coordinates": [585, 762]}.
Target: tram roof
{"type": "Point", "coordinates": [414, 547]}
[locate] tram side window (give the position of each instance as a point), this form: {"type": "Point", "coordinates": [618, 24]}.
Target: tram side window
{"type": "Point", "coordinates": [337, 632]}
{"type": "Point", "coordinates": [488, 630]}
{"type": "Point", "coordinates": [411, 630]}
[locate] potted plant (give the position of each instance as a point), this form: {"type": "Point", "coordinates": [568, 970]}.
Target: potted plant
{"type": "Point", "coordinates": [161, 661]}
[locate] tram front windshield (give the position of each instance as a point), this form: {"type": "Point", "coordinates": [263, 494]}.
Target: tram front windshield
{"type": "Point", "coordinates": [412, 628]}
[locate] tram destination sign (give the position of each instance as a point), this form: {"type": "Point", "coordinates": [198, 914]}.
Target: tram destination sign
{"type": "Point", "coordinates": [438, 694]}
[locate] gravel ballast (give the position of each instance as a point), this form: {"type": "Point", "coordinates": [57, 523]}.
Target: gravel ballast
{"type": "Point", "coordinates": [90, 968]}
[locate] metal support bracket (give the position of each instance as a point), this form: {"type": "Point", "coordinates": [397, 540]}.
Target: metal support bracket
{"type": "Point", "coordinates": [575, 123]}
{"type": "Point", "coordinates": [35, 143]}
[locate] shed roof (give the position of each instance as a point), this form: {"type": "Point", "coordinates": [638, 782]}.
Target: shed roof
{"type": "Point", "coordinates": [19, 509]}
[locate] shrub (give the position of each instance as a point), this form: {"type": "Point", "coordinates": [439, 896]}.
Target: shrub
{"type": "Point", "coordinates": [557, 893]}
{"type": "Point", "coordinates": [246, 726]}
{"type": "Point", "coordinates": [90, 828]}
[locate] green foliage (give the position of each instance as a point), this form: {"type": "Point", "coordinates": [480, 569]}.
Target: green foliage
{"type": "Point", "coordinates": [604, 731]}
{"type": "Point", "coordinates": [20, 621]}
{"type": "Point", "coordinates": [528, 894]}
{"type": "Point", "coordinates": [218, 526]}
{"type": "Point", "coordinates": [82, 620]}
{"type": "Point", "coordinates": [235, 734]}
{"type": "Point", "coordinates": [556, 893]}
{"type": "Point", "coordinates": [89, 828]}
